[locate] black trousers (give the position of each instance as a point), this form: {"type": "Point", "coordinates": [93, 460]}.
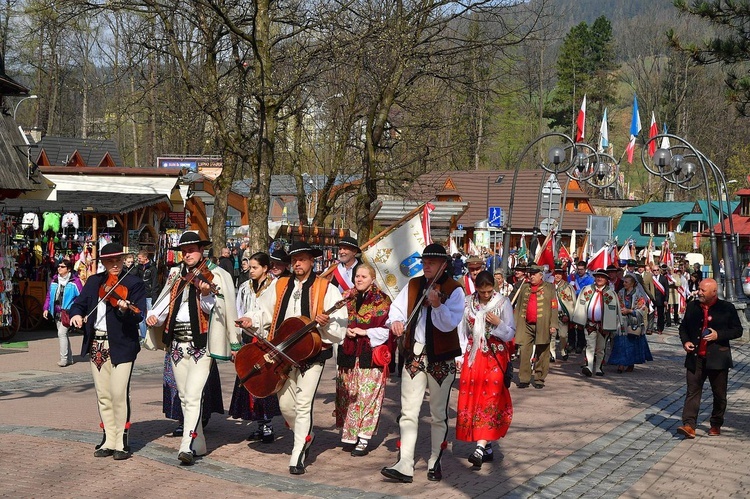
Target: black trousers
{"type": "Point", "coordinates": [718, 379]}
{"type": "Point", "coordinates": [660, 317]}
{"type": "Point", "coordinates": [676, 313]}
{"type": "Point", "coordinates": [576, 337]}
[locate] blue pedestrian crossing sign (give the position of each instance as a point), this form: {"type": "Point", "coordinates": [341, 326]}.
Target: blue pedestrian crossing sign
{"type": "Point", "coordinates": [495, 216]}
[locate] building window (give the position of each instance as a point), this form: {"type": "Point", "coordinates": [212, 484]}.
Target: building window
{"type": "Point", "coordinates": [648, 228]}
{"type": "Point", "coordinates": [576, 205]}
{"type": "Point", "coordinates": [745, 208]}
{"type": "Point", "coordinates": [662, 229]}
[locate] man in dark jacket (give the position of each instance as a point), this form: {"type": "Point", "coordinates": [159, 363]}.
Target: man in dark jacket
{"type": "Point", "coordinates": [111, 338]}
{"type": "Point", "coordinates": [705, 332]}
{"type": "Point", "coordinates": [226, 262]}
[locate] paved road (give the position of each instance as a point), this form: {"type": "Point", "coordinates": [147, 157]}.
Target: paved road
{"type": "Point", "coordinates": [579, 437]}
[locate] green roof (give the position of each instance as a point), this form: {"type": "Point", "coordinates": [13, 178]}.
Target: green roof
{"type": "Point", "coordinates": [629, 226]}
{"type": "Point", "coordinates": [661, 209]}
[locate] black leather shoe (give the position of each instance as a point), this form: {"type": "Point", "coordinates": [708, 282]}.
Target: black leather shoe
{"type": "Point", "coordinates": [435, 474]}
{"type": "Point", "coordinates": [103, 452]}
{"type": "Point", "coordinates": [296, 470]}
{"type": "Point", "coordinates": [538, 384]}
{"type": "Point", "coordinates": [586, 371]}
{"type": "Point", "coordinates": [187, 458]}
{"type": "Point", "coordinates": [564, 356]}
{"type": "Point", "coordinates": [178, 431]}
{"type": "Point", "coordinates": [121, 455]}
{"type": "Point", "coordinates": [523, 385]}
{"type": "Point", "coordinates": [600, 373]}
{"type": "Point", "coordinates": [255, 436]}
{"type": "Point", "coordinates": [396, 475]}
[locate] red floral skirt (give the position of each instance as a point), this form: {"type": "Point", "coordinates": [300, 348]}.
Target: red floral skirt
{"type": "Point", "coordinates": [485, 408]}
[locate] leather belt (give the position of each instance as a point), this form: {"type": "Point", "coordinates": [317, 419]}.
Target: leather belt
{"type": "Point", "coordinates": [100, 335]}
{"type": "Point", "coordinates": [183, 332]}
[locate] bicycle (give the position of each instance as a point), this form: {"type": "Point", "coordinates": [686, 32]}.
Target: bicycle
{"type": "Point", "coordinates": [9, 330]}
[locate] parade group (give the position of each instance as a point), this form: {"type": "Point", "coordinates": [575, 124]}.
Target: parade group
{"type": "Point", "coordinates": [458, 319]}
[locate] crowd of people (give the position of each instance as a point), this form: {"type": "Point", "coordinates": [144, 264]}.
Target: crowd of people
{"type": "Point", "coordinates": [441, 325]}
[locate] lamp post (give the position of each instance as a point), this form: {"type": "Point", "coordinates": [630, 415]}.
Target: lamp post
{"type": "Point", "coordinates": [671, 165]}
{"type": "Point", "coordinates": [560, 159]}
{"type": "Point", "coordinates": [15, 109]}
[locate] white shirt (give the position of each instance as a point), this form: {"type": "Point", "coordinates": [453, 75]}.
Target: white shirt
{"type": "Point", "coordinates": [446, 317]}
{"type": "Point", "coordinates": [335, 330]}
{"type": "Point", "coordinates": [183, 313]}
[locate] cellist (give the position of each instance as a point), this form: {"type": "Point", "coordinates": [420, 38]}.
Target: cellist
{"type": "Point", "coordinates": [198, 314]}
{"type": "Point", "coordinates": [305, 294]}
{"type": "Point", "coordinates": [111, 337]}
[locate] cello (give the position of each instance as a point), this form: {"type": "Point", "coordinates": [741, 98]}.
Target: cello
{"type": "Point", "coordinates": [263, 366]}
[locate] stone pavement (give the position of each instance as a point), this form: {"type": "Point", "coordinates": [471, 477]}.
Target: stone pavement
{"type": "Point", "coordinates": [578, 437]}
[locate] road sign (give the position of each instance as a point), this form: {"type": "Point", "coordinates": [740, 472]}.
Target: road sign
{"type": "Point", "coordinates": [551, 194]}
{"type": "Point", "coordinates": [547, 225]}
{"type": "Point", "coordinates": [495, 216]}
{"type": "Point", "coordinates": [460, 227]}
{"type": "Point", "coordinates": [458, 233]}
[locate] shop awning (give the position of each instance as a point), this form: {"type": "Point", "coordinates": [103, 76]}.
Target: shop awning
{"type": "Point", "coordinates": [106, 194]}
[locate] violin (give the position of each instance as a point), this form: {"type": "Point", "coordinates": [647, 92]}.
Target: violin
{"type": "Point", "coordinates": [201, 273]}
{"type": "Point", "coordinates": [112, 291]}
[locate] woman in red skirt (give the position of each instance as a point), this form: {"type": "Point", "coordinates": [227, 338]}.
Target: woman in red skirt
{"type": "Point", "coordinates": [485, 409]}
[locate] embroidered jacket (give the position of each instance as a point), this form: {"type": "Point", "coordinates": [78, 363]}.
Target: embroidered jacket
{"type": "Point", "coordinates": [611, 317]}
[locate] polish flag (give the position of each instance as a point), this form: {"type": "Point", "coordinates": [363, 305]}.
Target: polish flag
{"type": "Point", "coordinates": [546, 255]}
{"type": "Point", "coordinates": [581, 121]}
{"type": "Point", "coordinates": [428, 208]}
{"type": "Point", "coordinates": [603, 134]}
{"type": "Point", "coordinates": [600, 259]}
{"type": "Point", "coordinates": [635, 129]}
{"type": "Point", "coordinates": [652, 132]}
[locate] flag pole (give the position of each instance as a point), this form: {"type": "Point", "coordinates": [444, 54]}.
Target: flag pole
{"type": "Point", "coordinates": [373, 240]}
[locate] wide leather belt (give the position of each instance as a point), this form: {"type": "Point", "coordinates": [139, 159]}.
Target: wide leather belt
{"type": "Point", "coordinates": [183, 332]}
{"type": "Point", "coordinates": [100, 335]}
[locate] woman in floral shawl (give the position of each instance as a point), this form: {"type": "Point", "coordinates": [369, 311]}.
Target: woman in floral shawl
{"type": "Point", "coordinates": [629, 347]}
{"type": "Point", "coordinates": [485, 408]}
{"type": "Point", "coordinates": [360, 384]}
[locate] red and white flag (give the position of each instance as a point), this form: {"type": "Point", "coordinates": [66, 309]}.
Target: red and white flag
{"type": "Point", "coordinates": [653, 131]}
{"type": "Point", "coordinates": [581, 121]}
{"type": "Point", "coordinates": [600, 259]}
{"type": "Point", "coordinates": [667, 257]}
{"type": "Point", "coordinates": [546, 254]}
{"type": "Point", "coordinates": [428, 208]}
{"type": "Point", "coordinates": [564, 254]}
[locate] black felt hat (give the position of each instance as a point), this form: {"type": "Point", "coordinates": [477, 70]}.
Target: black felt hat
{"type": "Point", "coordinates": [435, 250]}
{"type": "Point", "coordinates": [304, 247]}
{"type": "Point", "coordinates": [601, 273]}
{"type": "Point", "coordinates": [191, 237]}
{"type": "Point", "coordinates": [111, 250]}
{"type": "Point", "coordinates": [280, 256]}
{"type": "Point", "coordinates": [350, 242]}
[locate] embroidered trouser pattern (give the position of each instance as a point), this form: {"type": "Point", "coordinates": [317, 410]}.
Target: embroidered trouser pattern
{"type": "Point", "coordinates": [191, 375]}
{"type": "Point", "coordinates": [112, 384]}
{"type": "Point", "coordinates": [412, 395]}
{"type": "Point", "coordinates": [295, 401]}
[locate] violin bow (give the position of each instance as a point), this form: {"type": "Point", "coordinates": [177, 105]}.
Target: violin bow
{"type": "Point", "coordinates": [270, 346]}
{"type": "Point", "coordinates": [185, 283]}
{"type": "Point", "coordinates": [106, 295]}
{"type": "Point", "coordinates": [418, 305]}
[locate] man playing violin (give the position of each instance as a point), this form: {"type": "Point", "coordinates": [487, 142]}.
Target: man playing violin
{"type": "Point", "coordinates": [197, 309]}
{"type": "Point", "coordinates": [110, 309]}
{"type": "Point", "coordinates": [430, 346]}
{"type": "Point", "coordinates": [306, 295]}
